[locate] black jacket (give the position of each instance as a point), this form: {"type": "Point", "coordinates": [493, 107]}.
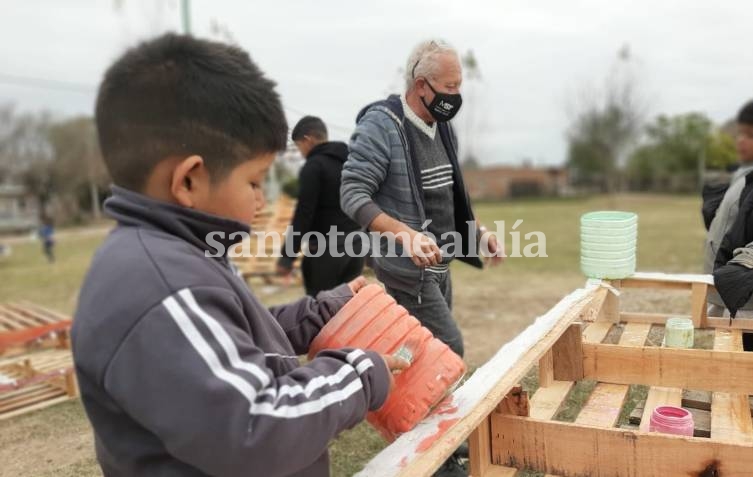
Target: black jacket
{"type": "Point", "coordinates": [318, 206]}
{"type": "Point", "coordinates": [734, 282]}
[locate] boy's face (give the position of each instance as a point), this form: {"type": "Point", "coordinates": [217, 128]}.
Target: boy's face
{"type": "Point", "coordinates": [239, 195]}
{"type": "Point", "coordinates": [745, 142]}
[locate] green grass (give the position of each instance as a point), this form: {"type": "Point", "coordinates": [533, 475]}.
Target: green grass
{"type": "Point", "coordinates": [491, 307]}
{"type": "Point", "coordinates": [26, 275]}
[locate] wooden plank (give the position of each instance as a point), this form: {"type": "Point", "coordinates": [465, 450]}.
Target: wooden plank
{"type": "Point", "coordinates": [9, 323]}
{"type": "Point", "coordinates": [635, 334]}
{"type": "Point", "coordinates": [37, 309]}
{"type": "Point", "coordinates": [655, 284]}
{"type": "Point", "coordinates": [33, 313]}
{"type": "Point", "coordinates": [725, 371]}
{"type": "Point", "coordinates": [547, 400]}
{"type": "Point", "coordinates": [480, 449]}
{"type": "Point", "coordinates": [597, 304]}
{"type": "Point", "coordinates": [730, 413]}
{"type": "Point", "coordinates": [22, 320]}
{"type": "Point", "coordinates": [35, 407]}
{"type": "Point", "coordinates": [478, 396]}
{"type": "Point", "coordinates": [745, 324]}
{"type": "Point", "coordinates": [696, 399]}
{"type": "Point", "coordinates": [701, 422]}
{"type": "Point", "coordinates": [602, 409]}
{"type": "Point", "coordinates": [687, 278]}
{"type": "Point", "coordinates": [29, 398]}
{"type": "Point", "coordinates": [497, 471]}
{"type": "Point", "coordinates": [571, 449]}
{"type": "Point", "coordinates": [546, 369]}
{"type": "Point", "coordinates": [567, 355]}
{"type": "Point", "coordinates": [603, 406]}
{"type": "Point", "coordinates": [610, 312]}
{"type": "Point", "coordinates": [659, 396]}
{"type": "Point", "coordinates": [648, 318]}
{"type": "Point", "coordinates": [596, 332]}
{"type": "Point", "coordinates": [699, 304]}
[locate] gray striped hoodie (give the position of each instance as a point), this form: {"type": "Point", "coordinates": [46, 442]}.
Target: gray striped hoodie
{"type": "Point", "coordinates": [184, 373]}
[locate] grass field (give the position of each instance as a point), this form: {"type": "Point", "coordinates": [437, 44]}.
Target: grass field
{"type": "Point", "coordinates": [492, 306]}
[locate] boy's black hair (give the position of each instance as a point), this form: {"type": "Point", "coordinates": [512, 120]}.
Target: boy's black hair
{"type": "Point", "coordinates": [745, 116]}
{"type": "Point", "coordinates": [177, 95]}
{"type": "Point", "coordinates": [309, 126]}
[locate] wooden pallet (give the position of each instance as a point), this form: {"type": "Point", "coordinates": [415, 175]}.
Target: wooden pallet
{"type": "Point", "coordinates": [25, 326]}
{"type": "Point", "coordinates": [263, 266]}
{"type": "Point", "coordinates": [35, 381]}
{"type": "Point", "coordinates": [508, 430]}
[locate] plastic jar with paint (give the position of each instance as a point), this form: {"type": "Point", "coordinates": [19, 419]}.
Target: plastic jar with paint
{"type": "Point", "coordinates": [679, 333]}
{"type": "Point", "coordinates": [672, 420]}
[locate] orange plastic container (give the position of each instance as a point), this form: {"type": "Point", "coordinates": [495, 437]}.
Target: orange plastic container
{"type": "Point", "coordinates": [373, 320]}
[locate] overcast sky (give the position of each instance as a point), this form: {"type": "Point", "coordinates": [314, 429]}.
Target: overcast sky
{"type": "Point", "coordinates": [332, 57]}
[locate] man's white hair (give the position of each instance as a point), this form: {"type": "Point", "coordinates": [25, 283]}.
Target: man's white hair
{"type": "Point", "coordinates": [424, 60]}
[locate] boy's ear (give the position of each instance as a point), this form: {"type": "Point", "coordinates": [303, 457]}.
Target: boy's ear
{"type": "Point", "coordinates": [189, 181]}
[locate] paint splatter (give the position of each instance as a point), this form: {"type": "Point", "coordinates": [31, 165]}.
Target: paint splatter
{"type": "Point", "coordinates": [445, 407]}
{"type": "Point", "coordinates": [441, 429]}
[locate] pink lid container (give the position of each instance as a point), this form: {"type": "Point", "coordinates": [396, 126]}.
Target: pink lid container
{"type": "Point", "coordinates": [672, 420]}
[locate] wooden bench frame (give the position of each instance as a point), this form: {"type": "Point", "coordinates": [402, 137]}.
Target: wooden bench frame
{"type": "Point", "coordinates": [507, 431]}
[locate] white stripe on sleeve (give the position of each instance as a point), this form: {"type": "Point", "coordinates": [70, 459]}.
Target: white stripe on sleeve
{"type": "Point", "coordinates": [205, 351]}
{"type": "Point", "coordinates": [224, 339]}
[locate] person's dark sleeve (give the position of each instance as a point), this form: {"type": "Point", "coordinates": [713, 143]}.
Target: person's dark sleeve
{"type": "Point", "coordinates": [199, 383]}
{"type": "Point", "coordinates": [712, 195]}
{"type": "Point", "coordinates": [734, 282]}
{"type": "Point", "coordinates": [309, 185]}
{"type": "Point", "coordinates": [303, 319]}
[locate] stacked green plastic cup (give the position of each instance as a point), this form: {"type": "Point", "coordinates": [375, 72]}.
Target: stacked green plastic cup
{"type": "Point", "coordinates": [608, 241]}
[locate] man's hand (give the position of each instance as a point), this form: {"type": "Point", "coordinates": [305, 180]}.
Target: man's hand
{"type": "Point", "coordinates": [357, 283]}
{"type": "Point", "coordinates": [424, 252]}
{"type": "Point", "coordinates": [497, 249]}
{"type": "Point", "coordinates": [413, 241]}
{"type": "Point", "coordinates": [395, 365]}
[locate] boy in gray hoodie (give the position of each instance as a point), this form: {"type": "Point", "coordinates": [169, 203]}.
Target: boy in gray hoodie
{"type": "Point", "coordinates": [182, 371]}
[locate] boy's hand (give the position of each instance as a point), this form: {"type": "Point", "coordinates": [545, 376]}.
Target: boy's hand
{"type": "Point", "coordinates": [357, 283]}
{"type": "Point", "coordinates": [395, 365]}
{"type": "Point", "coordinates": [284, 271]}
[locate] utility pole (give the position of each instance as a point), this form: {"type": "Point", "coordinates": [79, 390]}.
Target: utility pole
{"type": "Point", "coordinates": [186, 11]}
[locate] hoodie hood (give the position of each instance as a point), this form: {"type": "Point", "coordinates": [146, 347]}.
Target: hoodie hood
{"type": "Point", "coordinates": [335, 150]}
{"type": "Point", "coordinates": [392, 103]}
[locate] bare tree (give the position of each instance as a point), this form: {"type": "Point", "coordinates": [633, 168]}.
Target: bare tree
{"type": "Point", "coordinates": [606, 123]}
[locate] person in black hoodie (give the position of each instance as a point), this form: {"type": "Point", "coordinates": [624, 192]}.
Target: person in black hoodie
{"type": "Point", "coordinates": [318, 210]}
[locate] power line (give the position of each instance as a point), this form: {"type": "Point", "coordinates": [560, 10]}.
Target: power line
{"type": "Point", "coordinates": [43, 83]}
{"type": "Point", "coordinates": [70, 86]}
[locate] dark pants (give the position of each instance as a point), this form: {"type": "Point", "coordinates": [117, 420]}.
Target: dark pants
{"type": "Point", "coordinates": [327, 272]}
{"type": "Point", "coordinates": [435, 309]}
{"type": "Point", "coordinates": [49, 250]}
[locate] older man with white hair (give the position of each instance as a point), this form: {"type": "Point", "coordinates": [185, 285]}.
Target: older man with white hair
{"type": "Point", "coordinates": [402, 177]}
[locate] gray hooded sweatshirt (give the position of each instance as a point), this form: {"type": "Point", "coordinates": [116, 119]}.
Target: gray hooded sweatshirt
{"type": "Point", "coordinates": [184, 373]}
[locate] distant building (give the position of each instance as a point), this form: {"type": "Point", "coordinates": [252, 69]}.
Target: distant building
{"type": "Point", "coordinates": [506, 182]}
{"type": "Point", "coordinates": [19, 210]}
